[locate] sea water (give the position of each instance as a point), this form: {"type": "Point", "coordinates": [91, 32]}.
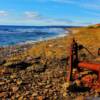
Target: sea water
{"type": "Point", "coordinates": [12, 35]}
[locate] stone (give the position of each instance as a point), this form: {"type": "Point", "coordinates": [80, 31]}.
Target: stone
{"type": "Point", "coordinates": [2, 62]}
{"type": "Point", "coordinates": [48, 86]}
{"type": "Point", "coordinates": [78, 82]}
{"type": "Point", "coordinates": [80, 98]}
{"type": "Point", "coordinates": [20, 98]}
{"type": "Point", "coordinates": [19, 82]}
{"type": "Point", "coordinates": [34, 94]}
{"type": "Point", "coordinates": [13, 76]}
{"type": "Point", "coordinates": [3, 94]}
{"type": "Point", "coordinates": [2, 83]}
{"type": "Point", "coordinates": [17, 95]}
{"type": "Point", "coordinates": [15, 88]}
{"type": "Point", "coordinates": [66, 85]}
{"type": "Point", "coordinates": [64, 94]}
{"type": "Point", "coordinates": [40, 98]}
{"type": "Point", "coordinates": [40, 68]}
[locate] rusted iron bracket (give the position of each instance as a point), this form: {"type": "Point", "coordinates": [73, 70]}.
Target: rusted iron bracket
{"type": "Point", "coordinates": [76, 64]}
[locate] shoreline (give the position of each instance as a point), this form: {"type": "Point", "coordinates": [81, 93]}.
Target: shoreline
{"type": "Point", "coordinates": [22, 47]}
{"type": "Point", "coordinates": [28, 44]}
{"type": "Point", "coordinates": [42, 67]}
{"type": "Point", "coordinates": [59, 34]}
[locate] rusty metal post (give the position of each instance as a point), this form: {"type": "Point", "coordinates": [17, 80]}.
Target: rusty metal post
{"type": "Point", "coordinates": [73, 59]}
{"type": "Point", "coordinates": [74, 62]}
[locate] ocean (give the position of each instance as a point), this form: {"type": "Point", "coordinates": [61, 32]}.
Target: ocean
{"type": "Point", "coordinates": [13, 35]}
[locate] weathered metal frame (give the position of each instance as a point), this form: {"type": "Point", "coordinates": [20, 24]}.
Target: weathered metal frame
{"type": "Point", "coordinates": [75, 63]}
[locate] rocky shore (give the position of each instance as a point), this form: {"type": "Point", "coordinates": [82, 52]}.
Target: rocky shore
{"type": "Point", "coordinates": [38, 71]}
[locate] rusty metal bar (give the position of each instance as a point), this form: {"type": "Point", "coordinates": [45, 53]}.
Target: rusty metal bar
{"type": "Point", "coordinates": [91, 66]}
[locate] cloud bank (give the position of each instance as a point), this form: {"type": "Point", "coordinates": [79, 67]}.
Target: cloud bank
{"type": "Point", "coordinates": [3, 13]}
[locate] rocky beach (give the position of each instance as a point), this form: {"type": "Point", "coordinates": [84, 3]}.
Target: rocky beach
{"type": "Point", "coordinates": [38, 71]}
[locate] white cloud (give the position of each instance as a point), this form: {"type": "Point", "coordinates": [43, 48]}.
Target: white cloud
{"type": "Point", "coordinates": [3, 13]}
{"type": "Point", "coordinates": [34, 18]}
{"type": "Point", "coordinates": [31, 15]}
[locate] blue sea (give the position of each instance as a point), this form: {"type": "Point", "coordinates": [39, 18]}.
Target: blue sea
{"type": "Point", "coordinates": [13, 35]}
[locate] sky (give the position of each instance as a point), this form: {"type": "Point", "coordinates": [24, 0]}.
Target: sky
{"type": "Point", "coordinates": [49, 12]}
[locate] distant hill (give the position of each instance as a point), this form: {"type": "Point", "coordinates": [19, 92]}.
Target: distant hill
{"type": "Point", "coordinates": [94, 26]}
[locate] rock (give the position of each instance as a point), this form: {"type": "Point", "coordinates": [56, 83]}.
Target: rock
{"type": "Point", "coordinates": [15, 88]}
{"type": "Point", "coordinates": [3, 94]}
{"type": "Point", "coordinates": [2, 83]}
{"type": "Point", "coordinates": [96, 94]}
{"type": "Point", "coordinates": [40, 98]}
{"type": "Point", "coordinates": [34, 94]}
{"type": "Point", "coordinates": [2, 62]}
{"type": "Point", "coordinates": [48, 86]}
{"type": "Point", "coordinates": [64, 94]}
{"type": "Point", "coordinates": [2, 71]}
{"type": "Point", "coordinates": [21, 98]}
{"type": "Point", "coordinates": [19, 82]}
{"type": "Point", "coordinates": [40, 68]}
{"type": "Point", "coordinates": [17, 95]}
{"type": "Point", "coordinates": [66, 85]}
{"type": "Point", "coordinates": [13, 76]}
{"type": "Point", "coordinates": [78, 82]}
{"type": "Point", "coordinates": [48, 82]}
{"type": "Point", "coordinates": [80, 98]}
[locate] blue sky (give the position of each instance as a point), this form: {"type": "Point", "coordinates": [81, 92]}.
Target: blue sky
{"type": "Point", "coordinates": [49, 12]}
